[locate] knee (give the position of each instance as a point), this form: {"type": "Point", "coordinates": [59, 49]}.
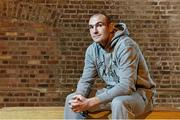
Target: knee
{"type": "Point", "coordinates": [69, 97]}
{"type": "Point", "coordinates": [118, 102]}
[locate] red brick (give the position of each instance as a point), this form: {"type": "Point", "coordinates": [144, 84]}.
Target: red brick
{"type": "Point", "coordinates": [45, 45]}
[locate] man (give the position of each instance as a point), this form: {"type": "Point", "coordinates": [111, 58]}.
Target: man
{"type": "Point", "coordinates": [118, 61]}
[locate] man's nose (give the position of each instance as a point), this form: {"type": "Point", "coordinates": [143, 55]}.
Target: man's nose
{"type": "Point", "coordinates": [95, 30]}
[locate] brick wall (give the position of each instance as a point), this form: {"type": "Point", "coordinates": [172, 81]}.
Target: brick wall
{"type": "Point", "coordinates": [42, 45]}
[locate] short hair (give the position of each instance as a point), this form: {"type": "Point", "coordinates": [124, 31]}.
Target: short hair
{"type": "Point", "coordinates": [108, 19]}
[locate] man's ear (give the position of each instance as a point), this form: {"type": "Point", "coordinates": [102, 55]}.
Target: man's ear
{"type": "Point", "coordinates": [112, 27]}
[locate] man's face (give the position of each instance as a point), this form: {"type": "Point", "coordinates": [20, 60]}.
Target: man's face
{"type": "Point", "coordinates": [99, 29]}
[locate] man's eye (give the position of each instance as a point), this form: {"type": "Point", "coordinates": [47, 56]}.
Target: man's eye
{"type": "Point", "coordinates": [99, 25]}
{"type": "Point", "coordinates": [90, 27]}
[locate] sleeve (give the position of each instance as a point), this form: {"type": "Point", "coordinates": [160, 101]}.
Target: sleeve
{"type": "Point", "coordinates": [127, 72]}
{"type": "Point", "coordinates": [88, 76]}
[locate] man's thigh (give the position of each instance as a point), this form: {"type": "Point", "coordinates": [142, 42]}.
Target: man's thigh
{"type": "Point", "coordinates": [133, 103]}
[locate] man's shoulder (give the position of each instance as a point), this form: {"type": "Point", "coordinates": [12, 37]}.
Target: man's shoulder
{"type": "Point", "coordinates": [92, 46]}
{"type": "Point", "coordinates": [127, 41]}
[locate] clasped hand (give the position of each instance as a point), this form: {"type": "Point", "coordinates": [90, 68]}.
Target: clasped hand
{"type": "Point", "coordinates": [78, 103]}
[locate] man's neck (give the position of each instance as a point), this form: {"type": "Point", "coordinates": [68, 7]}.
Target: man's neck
{"type": "Point", "coordinates": [108, 46]}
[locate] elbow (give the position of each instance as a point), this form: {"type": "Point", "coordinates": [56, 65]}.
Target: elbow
{"type": "Point", "coordinates": [128, 91]}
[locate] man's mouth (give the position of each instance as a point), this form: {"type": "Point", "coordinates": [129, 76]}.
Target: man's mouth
{"type": "Point", "coordinates": [97, 36]}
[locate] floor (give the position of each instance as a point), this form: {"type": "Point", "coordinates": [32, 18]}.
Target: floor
{"type": "Point", "coordinates": [50, 113]}
{"type": "Point", "coordinates": [27, 113]}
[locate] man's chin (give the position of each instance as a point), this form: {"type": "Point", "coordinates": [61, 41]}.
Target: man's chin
{"type": "Point", "coordinates": [97, 41]}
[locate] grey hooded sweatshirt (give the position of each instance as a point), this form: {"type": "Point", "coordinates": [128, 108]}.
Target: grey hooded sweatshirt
{"type": "Point", "coordinates": [124, 69]}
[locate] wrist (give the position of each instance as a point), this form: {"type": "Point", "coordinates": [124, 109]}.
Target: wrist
{"type": "Point", "coordinates": [93, 101]}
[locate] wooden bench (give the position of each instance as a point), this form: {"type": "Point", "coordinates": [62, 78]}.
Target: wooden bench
{"type": "Point", "coordinates": [41, 113]}
{"type": "Point", "coordinates": [157, 113]}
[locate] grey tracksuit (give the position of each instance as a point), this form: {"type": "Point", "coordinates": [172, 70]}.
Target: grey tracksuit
{"type": "Point", "coordinates": [129, 87]}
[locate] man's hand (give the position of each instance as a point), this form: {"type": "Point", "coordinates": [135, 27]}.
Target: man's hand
{"type": "Point", "coordinates": [80, 103]}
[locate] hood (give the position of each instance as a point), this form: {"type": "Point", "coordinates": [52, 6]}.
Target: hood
{"type": "Point", "coordinates": [121, 29]}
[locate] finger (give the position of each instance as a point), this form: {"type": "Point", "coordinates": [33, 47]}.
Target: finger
{"type": "Point", "coordinates": [76, 97]}
{"type": "Point", "coordinates": [71, 102]}
{"type": "Point", "coordinates": [75, 110]}
{"type": "Point", "coordinates": [79, 97]}
{"type": "Point", "coordinates": [75, 105]}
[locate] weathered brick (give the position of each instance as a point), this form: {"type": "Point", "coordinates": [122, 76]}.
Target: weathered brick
{"type": "Point", "coordinates": [43, 42]}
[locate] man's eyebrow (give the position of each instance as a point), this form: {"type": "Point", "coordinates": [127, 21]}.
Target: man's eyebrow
{"type": "Point", "coordinates": [97, 23]}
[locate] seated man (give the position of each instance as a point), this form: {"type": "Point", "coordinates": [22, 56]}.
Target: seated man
{"type": "Point", "coordinates": [117, 60]}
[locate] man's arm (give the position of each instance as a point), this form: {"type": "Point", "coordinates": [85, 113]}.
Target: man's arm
{"type": "Point", "coordinates": [128, 62]}
{"type": "Point", "coordinates": [89, 74]}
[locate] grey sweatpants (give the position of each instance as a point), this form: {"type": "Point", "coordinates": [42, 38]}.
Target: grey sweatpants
{"type": "Point", "coordinates": [122, 107]}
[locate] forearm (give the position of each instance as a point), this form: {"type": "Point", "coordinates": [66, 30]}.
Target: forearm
{"type": "Point", "coordinates": [118, 90]}
{"type": "Point", "coordinates": [94, 101]}
{"type": "Point", "coordinates": [84, 86]}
